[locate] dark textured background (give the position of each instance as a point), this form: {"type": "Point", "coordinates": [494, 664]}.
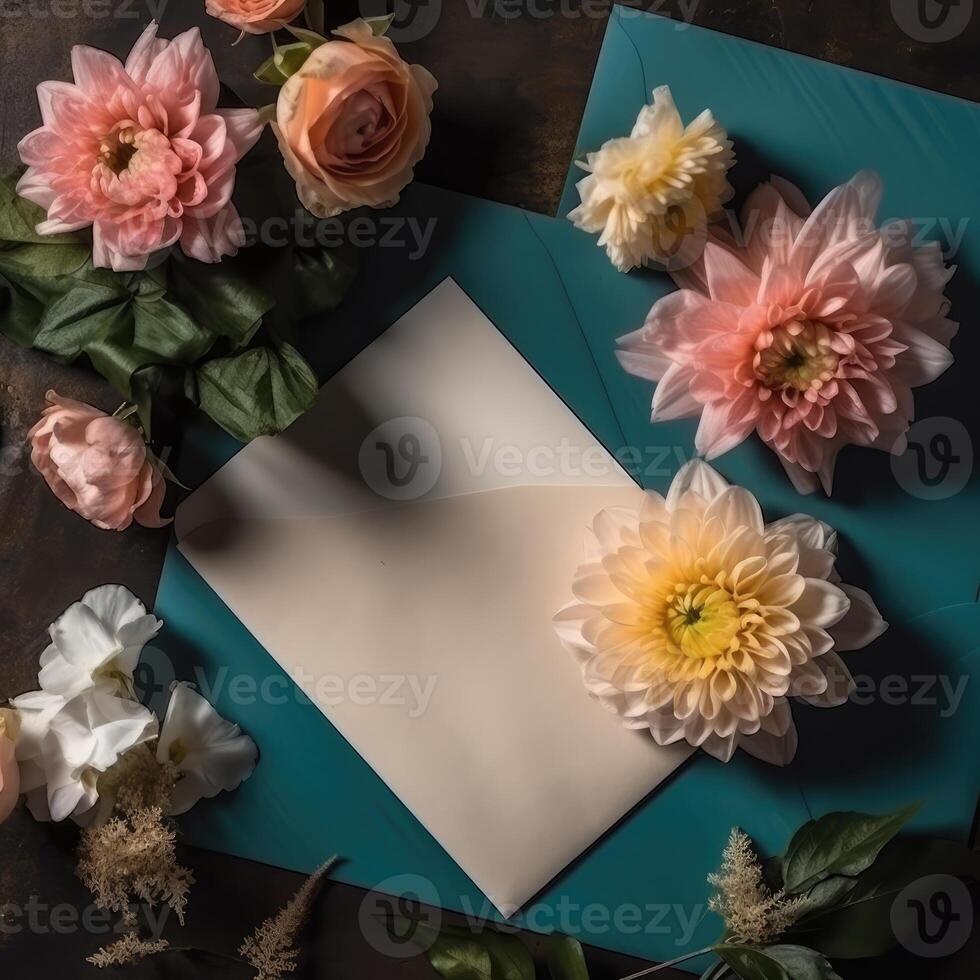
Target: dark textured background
{"type": "Point", "coordinates": [512, 90]}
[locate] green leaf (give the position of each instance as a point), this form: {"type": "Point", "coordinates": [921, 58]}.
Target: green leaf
{"type": "Point", "coordinates": [509, 957]}
{"type": "Point", "coordinates": [313, 38]}
{"type": "Point", "coordinates": [320, 278]}
{"type": "Point", "coordinates": [228, 301]}
{"type": "Point", "coordinates": [19, 217]}
{"type": "Point", "coordinates": [79, 320]}
{"type": "Point", "coordinates": [459, 958]}
{"type": "Point", "coordinates": [566, 960]}
{"type": "Point", "coordinates": [751, 963]}
{"type": "Point", "coordinates": [776, 963]}
{"type": "Point", "coordinates": [284, 63]}
{"type": "Point", "coordinates": [379, 25]}
{"type": "Point", "coordinates": [859, 925]}
{"type": "Point", "coordinates": [258, 392]}
{"type": "Point", "coordinates": [829, 892]}
{"type": "Point", "coordinates": [801, 963]}
{"type": "Point", "coordinates": [166, 329]}
{"type": "Point", "coordinates": [839, 843]}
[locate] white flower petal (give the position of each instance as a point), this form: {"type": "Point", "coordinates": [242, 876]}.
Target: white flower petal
{"type": "Point", "coordinates": [138, 632]}
{"type": "Point", "coordinates": [60, 677]}
{"type": "Point", "coordinates": [862, 623]}
{"type": "Point", "coordinates": [115, 605]}
{"type": "Point", "coordinates": [64, 745]}
{"type": "Point", "coordinates": [735, 507]}
{"type": "Point", "coordinates": [778, 750]}
{"type": "Point", "coordinates": [212, 754]}
{"type": "Point", "coordinates": [97, 643]}
{"type": "Point", "coordinates": [82, 638]}
{"type": "Point", "coordinates": [840, 684]}
{"type": "Point", "coordinates": [698, 476]}
{"type": "Point", "coordinates": [822, 604]}
{"type": "Point", "coordinates": [721, 748]}
{"type": "Point", "coordinates": [35, 711]}
{"type": "Point", "coordinates": [807, 531]}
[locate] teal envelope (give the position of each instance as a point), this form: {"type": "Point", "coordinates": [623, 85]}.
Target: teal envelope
{"type": "Point", "coordinates": [641, 889]}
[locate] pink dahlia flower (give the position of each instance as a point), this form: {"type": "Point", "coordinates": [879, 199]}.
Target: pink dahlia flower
{"type": "Point", "coordinates": [811, 329]}
{"type": "Point", "coordinates": [140, 153]}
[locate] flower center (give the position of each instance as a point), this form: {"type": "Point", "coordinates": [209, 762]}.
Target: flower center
{"type": "Point", "coordinates": [178, 752]}
{"type": "Point", "coordinates": [117, 149]}
{"type": "Point", "coordinates": [796, 355]}
{"type": "Point", "coordinates": [702, 619]}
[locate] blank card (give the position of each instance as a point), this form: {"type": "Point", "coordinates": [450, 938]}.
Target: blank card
{"type": "Point", "coordinates": [421, 525]}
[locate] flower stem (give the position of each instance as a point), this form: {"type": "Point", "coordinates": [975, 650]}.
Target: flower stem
{"type": "Point", "coordinates": [663, 966]}
{"type": "Point", "coordinates": [126, 410]}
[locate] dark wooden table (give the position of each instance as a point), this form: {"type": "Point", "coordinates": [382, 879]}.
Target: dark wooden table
{"type": "Point", "coordinates": [512, 89]}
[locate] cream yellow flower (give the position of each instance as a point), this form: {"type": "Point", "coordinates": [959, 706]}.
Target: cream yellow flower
{"type": "Point", "coordinates": [650, 195]}
{"type": "Point", "coordinates": [697, 620]}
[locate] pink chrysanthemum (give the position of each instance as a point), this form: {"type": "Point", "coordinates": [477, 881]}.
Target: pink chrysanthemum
{"type": "Point", "coordinates": [140, 153]}
{"type": "Point", "coordinates": [812, 329]}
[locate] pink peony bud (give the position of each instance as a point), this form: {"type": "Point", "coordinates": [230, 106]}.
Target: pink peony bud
{"type": "Point", "coordinates": [97, 465]}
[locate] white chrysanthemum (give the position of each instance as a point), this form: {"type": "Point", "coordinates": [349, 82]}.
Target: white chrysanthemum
{"type": "Point", "coordinates": [697, 620]}
{"type": "Point", "coordinates": [650, 194]}
{"type": "Point", "coordinates": [96, 644]}
{"type": "Point", "coordinates": [210, 754]}
{"type": "Point", "coordinates": [65, 745]}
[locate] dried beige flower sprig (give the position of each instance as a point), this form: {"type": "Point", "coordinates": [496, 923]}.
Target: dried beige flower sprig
{"type": "Point", "coordinates": [132, 857]}
{"type": "Point", "coordinates": [272, 950]}
{"type": "Point", "coordinates": [816, 893]}
{"type": "Point", "coordinates": [751, 912]}
{"type": "Point", "coordinates": [130, 948]}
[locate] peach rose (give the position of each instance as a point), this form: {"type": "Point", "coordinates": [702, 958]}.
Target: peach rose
{"type": "Point", "coordinates": [353, 122]}
{"type": "Point", "coordinates": [9, 773]}
{"type": "Point", "coordinates": [256, 16]}
{"type": "Point", "coordinates": [97, 465]}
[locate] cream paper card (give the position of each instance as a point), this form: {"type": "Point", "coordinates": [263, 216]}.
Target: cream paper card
{"type": "Point", "coordinates": [424, 520]}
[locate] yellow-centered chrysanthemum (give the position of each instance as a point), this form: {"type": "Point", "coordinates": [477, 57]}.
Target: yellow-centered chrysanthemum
{"type": "Point", "coordinates": [650, 195]}
{"type": "Point", "coordinates": [697, 620]}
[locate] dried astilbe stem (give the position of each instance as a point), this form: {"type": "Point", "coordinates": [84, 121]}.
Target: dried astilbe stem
{"type": "Point", "coordinates": [752, 913]}
{"type": "Point", "coordinates": [272, 949]}
{"type": "Point", "coordinates": [130, 948]}
{"type": "Point", "coordinates": [132, 857]}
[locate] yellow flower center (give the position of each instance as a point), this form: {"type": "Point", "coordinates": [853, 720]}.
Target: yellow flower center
{"type": "Point", "coordinates": [117, 149]}
{"type": "Point", "coordinates": [702, 620]}
{"type": "Point", "coordinates": [178, 752]}
{"type": "Point", "coordinates": [799, 355]}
